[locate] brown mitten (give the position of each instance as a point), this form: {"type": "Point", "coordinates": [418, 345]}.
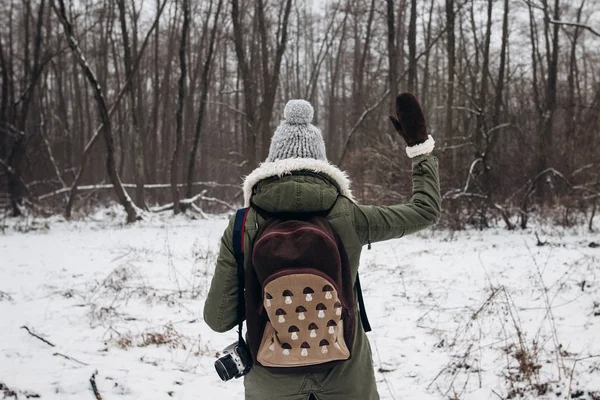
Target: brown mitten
{"type": "Point", "coordinates": [410, 124]}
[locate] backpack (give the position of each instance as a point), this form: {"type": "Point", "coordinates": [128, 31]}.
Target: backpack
{"type": "Point", "coordinates": [298, 293]}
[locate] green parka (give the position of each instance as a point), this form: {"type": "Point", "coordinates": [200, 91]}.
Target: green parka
{"type": "Point", "coordinates": [303, 185]}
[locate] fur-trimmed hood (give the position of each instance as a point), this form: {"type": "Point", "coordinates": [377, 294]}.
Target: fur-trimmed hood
{"type": "Point", "coordinates": [284, 167]}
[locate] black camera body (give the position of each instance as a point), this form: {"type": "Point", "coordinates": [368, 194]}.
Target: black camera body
{"type": "Point", "coordinates": [235, 362]}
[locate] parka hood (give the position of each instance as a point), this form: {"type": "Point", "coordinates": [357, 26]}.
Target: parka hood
{"type": "Point", "coordinates": [296, 185]}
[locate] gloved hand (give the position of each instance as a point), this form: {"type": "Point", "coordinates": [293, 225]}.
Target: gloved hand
{"type": "Point", "coordinates": [410, 124]}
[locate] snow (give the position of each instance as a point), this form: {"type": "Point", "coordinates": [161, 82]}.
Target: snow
{"type": "Point", "coordinates": [450, 311]}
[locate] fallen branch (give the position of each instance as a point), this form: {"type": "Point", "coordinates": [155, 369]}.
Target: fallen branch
{"type": "Point", "coordinates": [218, 201]}
{"type": "Point", "coordinates": [505, 216]}
{"type": "Point", "coordinates": [190, 203]}
{"type": "Point", "coordinates": [163, 208]}
{"type": "Point", "coordinates": [198, 210]}
{"type": "Point", "coordinates": [458, 193]}
{"type": "Point", "coordinates": [94, 387]}
{"type": "Point", "coordinates": [69, 358]}
{"type": "Point", "coordinates": [133, 185]}
{"type": "Point", "coordinates": [37, 336]}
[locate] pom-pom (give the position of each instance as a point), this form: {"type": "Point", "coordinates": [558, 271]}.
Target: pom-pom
{"type": "Point", "coordinates": [298, 112]}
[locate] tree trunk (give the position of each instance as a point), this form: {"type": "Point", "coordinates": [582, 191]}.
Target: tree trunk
{"type": "Point", "coordinates": [425, 84]}
{"type": "Point", "coordinates": [545, 139]}
{"type": "Point", "coordinates": [180, 103]}
{"type": "Point", "coordinates": [450, 48]}
{"type": "Point", "coordinates": [271, 81]}
{"type": "Point", "coordinates": [392, 57]}
{"type": "Point", "coordinates": [412, 48]}
{"type": "Point", "coordinates": [498, 99]}
{"type": "Point", "coordinates": [134, 93]}
{"type": "Point", "coordinates": [248, 83]}
{"type": "Point", "coordinates": [570, 117]}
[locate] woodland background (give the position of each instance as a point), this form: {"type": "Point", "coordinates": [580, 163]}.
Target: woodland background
{"type": "Point", "coordinates": [166, 104]}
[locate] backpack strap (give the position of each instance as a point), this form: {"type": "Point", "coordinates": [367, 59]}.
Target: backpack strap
{"type": "Point", "coordinates": [361, 306]}
{"type": "Point", "coordinates": [238, 251]}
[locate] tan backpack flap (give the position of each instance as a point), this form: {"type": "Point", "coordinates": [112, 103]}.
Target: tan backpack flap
{"type": "Point", "coordinates": [305, 321]}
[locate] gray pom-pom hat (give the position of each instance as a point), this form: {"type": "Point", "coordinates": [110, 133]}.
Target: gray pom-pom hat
{"type": "Point", "coordinates": [296, 137]}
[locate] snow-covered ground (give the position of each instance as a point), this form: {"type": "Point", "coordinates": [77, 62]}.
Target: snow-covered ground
{"type": "Point", "coordinates": [466, 315]}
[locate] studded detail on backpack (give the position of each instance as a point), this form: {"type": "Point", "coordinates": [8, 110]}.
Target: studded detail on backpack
{"type": "Point", "coordinates": [308, 324]}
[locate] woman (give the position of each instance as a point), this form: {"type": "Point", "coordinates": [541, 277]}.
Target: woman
{"type": "Point", "coordinates": [295, 178]}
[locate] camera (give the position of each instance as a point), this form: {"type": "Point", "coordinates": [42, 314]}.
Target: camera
{"type": "Point", "coordinates": [235, 362]}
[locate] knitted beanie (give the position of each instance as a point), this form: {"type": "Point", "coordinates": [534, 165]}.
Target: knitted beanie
{"type": "Point", "coordinates": [296, 137]}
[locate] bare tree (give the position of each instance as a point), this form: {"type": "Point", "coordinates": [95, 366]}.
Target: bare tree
{"type": "Point", "coordinates": [87, 149]}
{"type": "Point", "coordinates": [133, 213]}
{"type": "Point", "coordinates": [496, 117]}
{"type": "Point", "coordinates": [203, 97]}
{"type": "Point", "coordinates": [15, 120]}
{"type": "Point", "coordinates": [260, 124]}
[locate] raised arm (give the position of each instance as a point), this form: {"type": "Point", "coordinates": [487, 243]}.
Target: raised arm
{"type": "Point", "coordinates": [377, 223]}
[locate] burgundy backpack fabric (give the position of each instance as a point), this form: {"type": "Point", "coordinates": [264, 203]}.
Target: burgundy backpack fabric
{"type": "Point", "coordinates": [299, 300]}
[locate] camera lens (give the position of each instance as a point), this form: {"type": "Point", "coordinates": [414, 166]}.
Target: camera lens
{"type": "Point", "coordinates": [226, 368]}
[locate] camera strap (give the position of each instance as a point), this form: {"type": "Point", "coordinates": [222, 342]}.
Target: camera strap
{"type": "Point", "coordinates": [238, 251]}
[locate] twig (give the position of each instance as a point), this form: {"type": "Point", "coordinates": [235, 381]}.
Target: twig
{"type": "Point", "coordinates": [94, 387]}
{"type": "Point", "coordinates": [487, 301]}
{"type": "Point", "coordinates": [198, 210]}
{"type": "Point", "coordinates": [437, 376]}
{"type": "Point", "coordinates": [550, 315]}
{"type": "Point", "coordinates": [384, 377]}
{"type": "Point", "coordinates": [573, 371]}
{"type": "Point", "coordinates": [473, 164]}
{"type": "Point", "coordinates": [36, 336]}
{"type": "Point", "coordinates": [589, 28]}
{"type": "Point", "coordinates": [69, 358]}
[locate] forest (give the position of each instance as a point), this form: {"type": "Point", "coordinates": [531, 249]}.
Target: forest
{"type": "Point", "coordinates": [163, 105]}
{"type": "Point", "coordinates": [127, 128]}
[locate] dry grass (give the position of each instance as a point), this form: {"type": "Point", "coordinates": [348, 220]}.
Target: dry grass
{"type": "Point", "coordinates": [535, 362]}
{"type": "Point", "coordinates": [161, 336]}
